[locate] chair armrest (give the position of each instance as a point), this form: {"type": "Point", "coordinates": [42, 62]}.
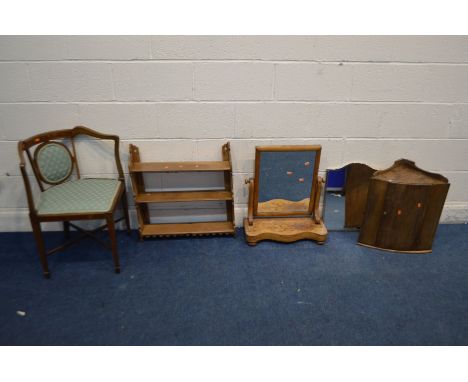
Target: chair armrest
{"type": "Point", "coordinates": [95, 134]}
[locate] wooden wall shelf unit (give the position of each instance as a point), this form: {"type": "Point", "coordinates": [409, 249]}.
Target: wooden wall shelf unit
{"type": "Point", "coordinates": [142, 197]}
{"type": "Point", "coordinates": [404, 205]}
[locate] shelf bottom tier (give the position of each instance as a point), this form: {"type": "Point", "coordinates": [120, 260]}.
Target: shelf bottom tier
{"type": "Point", "coordinates": [188, 229]}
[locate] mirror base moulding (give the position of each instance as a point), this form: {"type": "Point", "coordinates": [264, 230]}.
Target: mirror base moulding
{"type": "Point", "coordinates": [285, 230]}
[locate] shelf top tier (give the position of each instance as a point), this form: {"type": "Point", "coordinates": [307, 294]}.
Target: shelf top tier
{"type": "Point", "coordinates": [179, 166]}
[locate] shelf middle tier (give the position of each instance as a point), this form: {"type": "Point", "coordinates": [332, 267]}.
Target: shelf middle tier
{"type": "Point", "coordinates": [182, 196]}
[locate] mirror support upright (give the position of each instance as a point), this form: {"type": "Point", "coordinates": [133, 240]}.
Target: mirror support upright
{"type": "Point", "coordinates": [250, 182]}
{"type": "Point", "coordinates": [320, 185]}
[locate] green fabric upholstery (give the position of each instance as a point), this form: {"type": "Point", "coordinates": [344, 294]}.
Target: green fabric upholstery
{"type": "Point", "coordinates": [54, 162]}
{"type": "Point", "coordinates": [79, 196]}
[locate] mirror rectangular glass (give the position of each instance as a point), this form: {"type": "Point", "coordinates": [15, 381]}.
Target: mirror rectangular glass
{"type": "Point", "coordinates": [286, 176]}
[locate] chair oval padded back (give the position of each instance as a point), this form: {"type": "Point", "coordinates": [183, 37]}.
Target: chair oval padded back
{"type": "Point", "coordinates": [54, 162]}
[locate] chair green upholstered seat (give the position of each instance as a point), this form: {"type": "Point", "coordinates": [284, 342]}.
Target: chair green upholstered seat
{"type": "Point", "coordinates": [80, 196]}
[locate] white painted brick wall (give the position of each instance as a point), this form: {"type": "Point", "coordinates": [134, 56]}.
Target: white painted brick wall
{"type": "Point", "coordinates": [70, 81]}
{"type": "Point", "coordinates": [152, 81]}
{"type": "Point", "coordinates": [313, 82]}
{"type": "Point", "coordinates": [196, 120]}
{"type": "Point", "coordinates": [14, 82]}
{"type": "Point", "coordinates": [21, 120]}
{"type": "Point", "coordinates": [238, 81]}
{"type": "Point", "coordinates": [363, 98]}
{"type": "Point", "coordinates": [409, 82]}
{"type": "Point", "coordinates": [313, 48]}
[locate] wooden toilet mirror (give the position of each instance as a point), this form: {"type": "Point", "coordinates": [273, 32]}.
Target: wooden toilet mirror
{"type": "Point", "coordinates": [284, 195]}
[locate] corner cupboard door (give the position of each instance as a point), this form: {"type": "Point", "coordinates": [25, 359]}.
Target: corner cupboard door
{"type": "Point", "coordinates": [402, 217]}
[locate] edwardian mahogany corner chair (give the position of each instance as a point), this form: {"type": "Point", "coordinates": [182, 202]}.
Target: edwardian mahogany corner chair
{"type": "Point", "coordinates": [63, 199]}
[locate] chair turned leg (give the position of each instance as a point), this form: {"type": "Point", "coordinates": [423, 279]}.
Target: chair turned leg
{"type": "Point", "coordinates": [66, 229]}
{"type": "Point", "coordinates": [125, 211]}
{"type": "Point", "coordinates": [36, 226]}
{"type": "Point", "coordinates": [111, 229]}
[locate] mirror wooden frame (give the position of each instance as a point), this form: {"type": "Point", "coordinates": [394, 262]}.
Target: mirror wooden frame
{"type": "Point", "coordinates": [279, 225]}
{"type": "Point", "coordinates": [258, 152]}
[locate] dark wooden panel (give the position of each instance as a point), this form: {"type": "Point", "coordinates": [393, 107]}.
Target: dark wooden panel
{"type": "Point", "coordinates": [433, 210]}
{"type": "Point", "coordinates": [373, 213]}
{"type": "Point", "coordinates": [356, 188]}
{"type": "Point", "coordinates": [402, 219]}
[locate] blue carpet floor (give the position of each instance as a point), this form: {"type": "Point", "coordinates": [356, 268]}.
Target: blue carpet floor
{"type": "Point", "coordinates": [219, 291]}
